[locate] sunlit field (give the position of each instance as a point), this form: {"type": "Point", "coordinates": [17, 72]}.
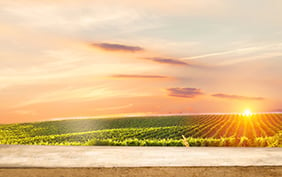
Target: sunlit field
{"type": "Point", "coordinates": [243, 130]}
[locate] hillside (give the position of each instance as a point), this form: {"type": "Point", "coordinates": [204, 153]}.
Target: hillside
{"type": "Point", "coordinates": [200, 130]}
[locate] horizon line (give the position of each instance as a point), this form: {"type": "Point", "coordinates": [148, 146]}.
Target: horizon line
{"type": "Point", "coordinates": [144, 115]}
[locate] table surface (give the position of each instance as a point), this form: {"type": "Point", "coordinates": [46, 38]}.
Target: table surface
{"type": "Point", "coordinates": [17, 156]}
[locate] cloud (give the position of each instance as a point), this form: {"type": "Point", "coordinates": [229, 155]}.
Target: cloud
{"type": "Point", "coordinates": [277, 110]}
{"type": "Point", "coordinates": [254, 52]}
{"type": "Point", "coordinates": [136, 76]}
{"type": "Point", "coordinates": [117, 47]}
{"type": "Point", "coordinates": [235, 51]}
{"type": "Point", "coordinates": [237, 97]}
{"type": "Point", "coordinates": [170, 61]}
{"type": "Point", "coordinates": [184, 92]}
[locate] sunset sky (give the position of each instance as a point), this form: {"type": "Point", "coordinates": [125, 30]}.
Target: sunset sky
{"type": "Point", "coordinates": [71, 58]}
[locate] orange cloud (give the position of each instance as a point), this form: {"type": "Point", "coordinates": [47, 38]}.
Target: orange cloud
{"type": "Point", "coordinates": [135, 76]}
{"type": "Point", "coordinates": [170, 61]}
{"type": "Point", "coordinates": [184, 92]}
{"type": "Point", "coordinates": [277, 110]}
{"type": "Point", "coordinates": [238, 97]}
{"type": "Point", "coordinates": [117, 47]}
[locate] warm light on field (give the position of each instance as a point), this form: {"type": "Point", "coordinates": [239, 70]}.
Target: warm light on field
{"type": "Point", "coordinates": [247, 112]}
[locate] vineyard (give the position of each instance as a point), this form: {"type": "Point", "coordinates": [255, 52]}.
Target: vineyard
{"type": "Point", "coordinates": [257, 130]}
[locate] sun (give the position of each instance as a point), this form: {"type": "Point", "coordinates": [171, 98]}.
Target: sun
{"type": "Point", "coordinates": [247, 112]}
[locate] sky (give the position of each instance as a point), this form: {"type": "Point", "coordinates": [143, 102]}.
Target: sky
{"type": "Point", "coordinates": [70, 58]}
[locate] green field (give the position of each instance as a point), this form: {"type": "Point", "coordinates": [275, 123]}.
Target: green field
{"type": "Point", "coordinates": [258, 130]}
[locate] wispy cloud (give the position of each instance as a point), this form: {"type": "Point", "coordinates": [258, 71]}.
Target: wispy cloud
{"type": "Point", "coordinates": [237, 97]}
{"type": "Point", "coordinates": [136, 76]}
{"type": "Point", "coordinates": [170, 61]}
{"type": "Point", "coordinates": [242, 54]}
{"type": "Point", "coordinates": [78, 94]}
{"type": "Point", "coordinates": [117, 47]}
{"type": "Point", "coordinates": [184, 92]}
{"type": "Point", "coordinates": [235, 51]}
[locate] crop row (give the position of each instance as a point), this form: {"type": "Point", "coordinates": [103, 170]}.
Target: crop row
{"type": "Point", "coordinates": [164, 136]}
{"type": "Point", "coordinates": [229, 130]}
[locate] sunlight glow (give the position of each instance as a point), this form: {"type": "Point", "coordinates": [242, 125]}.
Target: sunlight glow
{"type": "Point", "coordinates": [247, 112]}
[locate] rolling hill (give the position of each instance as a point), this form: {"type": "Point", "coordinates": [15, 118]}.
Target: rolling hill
{"type": "Point", "coordinates": [199, 130]}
